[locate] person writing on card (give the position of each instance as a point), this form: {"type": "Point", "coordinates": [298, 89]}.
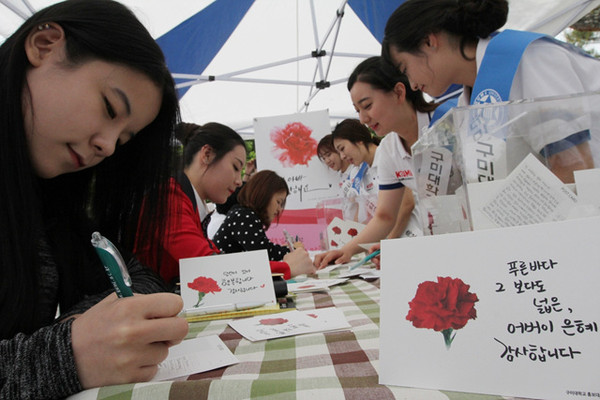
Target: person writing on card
{"type": "Point", "coordinates": [87, 113]}
{"type": "Point", "coordinates": [260, 203]}
{"type": "Point", "coordinates": [444, 42]}
{"type": "Point", "coordinates": [212, 162]}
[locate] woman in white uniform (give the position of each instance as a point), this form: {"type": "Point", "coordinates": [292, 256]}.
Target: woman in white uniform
{"type": "Point", "coordinates": [386, 104]}
{"type": "Point", "coordinates": [444, 42]}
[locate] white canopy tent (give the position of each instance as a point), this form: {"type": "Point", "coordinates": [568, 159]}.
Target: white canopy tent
{"type": "Point", "coordinates": [265, 67]}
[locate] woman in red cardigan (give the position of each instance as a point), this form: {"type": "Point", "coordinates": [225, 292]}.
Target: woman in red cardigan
{"type": "Point", "coordinates": [212, 162]}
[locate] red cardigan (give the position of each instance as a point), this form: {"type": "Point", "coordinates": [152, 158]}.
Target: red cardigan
{"type": "Point", "coordinates": [186, 238]}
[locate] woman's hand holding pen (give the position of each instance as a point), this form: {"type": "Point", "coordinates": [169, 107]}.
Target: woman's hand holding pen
{"type": "Point", "coordinates": [376, 260]}
{"type": "Point", "coordinates": [299, 262]}
{"type": "Point", "coordinates": [122, 340]}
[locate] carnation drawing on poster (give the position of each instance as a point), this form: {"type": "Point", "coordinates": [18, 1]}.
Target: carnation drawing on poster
{"type": "Point", "coordinates": [203, 285]}
{"type": "Point", "coordinates": [293, 144]}
{"type": "Point", "coordinates": [444, 306]}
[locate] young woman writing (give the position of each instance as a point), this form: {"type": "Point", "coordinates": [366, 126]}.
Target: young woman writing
{"type": "Point", "coordinates": [88, 108]}
{"type": "Point", "coordinates": [212, 162]}
{"type": "Point", "coordinates": [260, 202]}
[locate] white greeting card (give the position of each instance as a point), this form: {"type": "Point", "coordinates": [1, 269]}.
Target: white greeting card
{"type": "Point", "coordinates": [226, 282]}
{"type": "Point", "coordinates": [340, 232]}
{"type": "Point", "coordinates": [314, 285]}
{"type": "Point", "coordinates": [460, 311]}
{"type": "Point", "coordinates": [264, 327]}
{"type": "Point", "coordinates": [193, 356]}
{"type": "Point", "coordinates": [530, 194]}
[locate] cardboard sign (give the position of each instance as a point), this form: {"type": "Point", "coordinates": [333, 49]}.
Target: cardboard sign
{"type": "Point", "coordinates": [511, 311]}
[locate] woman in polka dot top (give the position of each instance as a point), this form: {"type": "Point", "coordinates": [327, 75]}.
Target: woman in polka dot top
{"type": "Point", "coordinates": [260, 202]}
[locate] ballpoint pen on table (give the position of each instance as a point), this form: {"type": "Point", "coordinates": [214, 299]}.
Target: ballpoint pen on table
{"type": "Point", "coordinates": [113, 264]}
{"type": "Point", "coordinates": [365, 260]}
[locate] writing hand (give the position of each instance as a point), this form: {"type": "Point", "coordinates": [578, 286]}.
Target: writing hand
{"type": "Point", "coordinates": [377, 259]}
{"type": "Point", "coordinates": [123, 340]}
{"type": "Point", "coordinates": [331, 257]}
{"type": "Point", "coordinates": [299, 262]}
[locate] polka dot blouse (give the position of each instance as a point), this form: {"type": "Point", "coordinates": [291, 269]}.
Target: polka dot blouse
{"type": "Point", "coordinates": [242, 230]}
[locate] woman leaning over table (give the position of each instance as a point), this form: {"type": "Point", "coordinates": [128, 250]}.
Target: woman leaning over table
{"type": "Point", "coordinates": [260, 203]}
{"type": "Point", "coordinates": [211, 166]}
{"type": "Point", "coordinates": [87, 114]}
{"type": "Point", "coordinates": [386, 103]}
{"type": "Point", "coordinates": [444, 42]}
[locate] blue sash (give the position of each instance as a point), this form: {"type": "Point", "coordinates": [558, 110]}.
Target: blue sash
{"type": "Point", "coordinates": [496, 74]}
{"type": "Point", "coordinates": [443, 108]}
{"type": "Point", "coordinates": [358, 177]}
{"type": "Point", "coordinates": [499, 65]}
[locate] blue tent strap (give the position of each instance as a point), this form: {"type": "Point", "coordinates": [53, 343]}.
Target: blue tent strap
{"type": "Point", "coordinates": [193, 44]}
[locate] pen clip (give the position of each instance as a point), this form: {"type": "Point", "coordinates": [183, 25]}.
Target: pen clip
{"type": "Point", "coordinates": [108, 252]}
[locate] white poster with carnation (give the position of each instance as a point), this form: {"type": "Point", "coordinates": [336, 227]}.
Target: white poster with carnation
{"type": "Point", "coordinates": [510, 312]}
{"type": "Point", "coordinates": [287, 144]}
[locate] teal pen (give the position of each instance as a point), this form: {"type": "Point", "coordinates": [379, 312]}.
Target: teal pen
{"type": "Point", "coordinates": [113, 264]}
{"type": "Point", "coordinates": [365, 260]}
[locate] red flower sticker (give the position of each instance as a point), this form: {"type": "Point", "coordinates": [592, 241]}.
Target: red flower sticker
{"type": "Point", "coordinates": [306, 287]}
{"type": "Point", "coordinates": [293, 144]}
{"type": "Point", "coordinates": [273, 321]}
{"type": "Point", "coordinates": [336, 230]}
{"type": "Point", "coordinates": [443, 306]}
{"type": "Point", "coordinates": [333, 243]}
{"type": "Point", "coordinates": [352, 232]}
{"type": "Point", "coordinates": [203, 285]}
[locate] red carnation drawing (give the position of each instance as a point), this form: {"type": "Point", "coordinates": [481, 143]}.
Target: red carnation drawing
{"type": "Point", "coordinates": [443, 306]}
{"type": "Point", "coordinates": [306, 287]}
{"type": "Point", "coordinates": [203, 285]}
{"type": "Point", "coordinates": [352, 232]}
{"type": "Point", "coordinates": [273, 321]}
{"type": "Point", "coordinates": [336, 230]}
{"type": "Point", "coordinates": [333, 243]}
{"type": "Point", "coordinates": [293, 144]}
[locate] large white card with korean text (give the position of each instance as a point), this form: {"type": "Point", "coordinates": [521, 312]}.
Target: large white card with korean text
{"type": "Point", "coordinates": [226, 279]}
{"type": "Point", "coordinates": [510, 311]}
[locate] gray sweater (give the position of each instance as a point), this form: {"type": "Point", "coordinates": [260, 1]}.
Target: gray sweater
{"type": "Point", "coordinates": [41, 365]}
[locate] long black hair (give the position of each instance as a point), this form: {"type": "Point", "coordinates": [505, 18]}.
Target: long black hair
{"type": "Point", "coordinates": [355, 132]}
{"type": "Point", "coordinates": [61, 213]}
{"type": "Point", "coordinates": [221, 139]}
{"type": "Point", "coordinates": [468, 20]}
{"type": "Point", "coordinates": [383, 76]}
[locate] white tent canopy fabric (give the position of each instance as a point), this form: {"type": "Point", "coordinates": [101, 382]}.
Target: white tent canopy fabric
{"type": "Point", "coordinates": [265, 67]}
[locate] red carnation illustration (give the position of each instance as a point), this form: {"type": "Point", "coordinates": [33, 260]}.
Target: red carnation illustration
{"type": "Point", "coordinates": [336, 230]}
{"type": "Point", "coordinates": [203, 285]}
{"type": "Point", "coordinates": [443, 306]}
{"type": "Point", "coordinates": [306, 286]}
{"type": "Point", "coordinates": [333, 243]}
{"type": "Point", "coordinates": [352, 232]}
{"type": "Point", "coordinates": [293, 144]}
{"type": "Point", "coordinates": [273, 321]}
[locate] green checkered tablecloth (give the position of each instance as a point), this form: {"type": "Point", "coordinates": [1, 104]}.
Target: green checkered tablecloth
{"type": "Point", "coordinates": [333, 365]}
